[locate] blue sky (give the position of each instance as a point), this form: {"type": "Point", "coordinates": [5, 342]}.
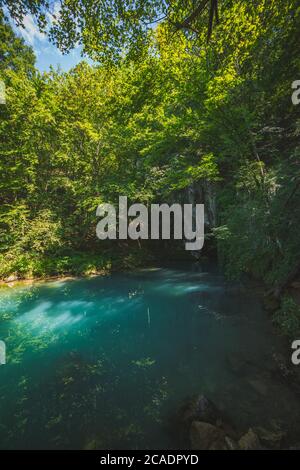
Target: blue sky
{"type": "Point", "coordinates": [46, 53]}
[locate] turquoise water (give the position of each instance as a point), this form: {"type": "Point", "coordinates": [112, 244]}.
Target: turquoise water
{"type": "Point", "coordinates": [106, 362]}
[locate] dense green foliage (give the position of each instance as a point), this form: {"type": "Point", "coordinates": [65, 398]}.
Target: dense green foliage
{"type": "Point", "coordinates": [14, 54]}
{"type": "Point", "coordinates": [186, 113]}
{"type": "Point", "coordinates": [110, 30]}
{"type": "Point", "coordinates": [287, 317]}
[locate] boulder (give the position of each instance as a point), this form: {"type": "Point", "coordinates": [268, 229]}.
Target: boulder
{"type": "Point", "coordinates": [271, 438]}
{"type": "Point", "coordinates": [295, 446]}
{"type": "Point", "coordinates": [199, 408]}
{"type": "Point", "coordinates": [249, 441]}
{"type": "Point", "coordinates": [206, 436]}
{"type": "Point", "coordinates": [11, 278]}
{"type": "Point", "coordinates": [231, 444]}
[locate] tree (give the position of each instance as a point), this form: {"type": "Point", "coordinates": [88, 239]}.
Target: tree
{"type": "Point", "coordinates": [109, 29]}
{"type": "Point", "coordinates": [14, 53]}
{"type": "Point", "coordinates": [181, 117]}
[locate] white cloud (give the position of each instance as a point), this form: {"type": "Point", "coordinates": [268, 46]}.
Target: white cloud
{"type": "Point", "coordinates": [51, 50]}
{"type": "Point", "coordinates": [31, 32]}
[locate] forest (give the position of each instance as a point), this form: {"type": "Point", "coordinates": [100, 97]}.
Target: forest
{"type": "Point", "coordinates": [174, 114]}
{"type": "Point", "coordinates": [173, 102]}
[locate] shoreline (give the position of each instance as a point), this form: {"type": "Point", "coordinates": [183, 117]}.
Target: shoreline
{"type": "Point", "coordinates": [64, 277]}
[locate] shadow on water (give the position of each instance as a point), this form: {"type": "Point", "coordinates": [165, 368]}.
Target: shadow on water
{"type": "Point", "coordinates": [104, 362]}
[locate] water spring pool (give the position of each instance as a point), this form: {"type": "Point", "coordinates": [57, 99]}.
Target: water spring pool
{"type": "Point", "coordinates": [105, 362]}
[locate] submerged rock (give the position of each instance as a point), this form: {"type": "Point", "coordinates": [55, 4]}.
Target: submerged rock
{"type": "Point", "coordinates": [213, 429]}
{"type": "Point", "coordinates": [295, 447]}
{"type": "Point", "coordinates": [231, 444]}
{"type": "Point", "coordinates": [271, 438]}
{"type": "Point", "coordinates": [249, 441]}
{"type": "Point", "coordinates": [199, 408]}
{"type": "Point", "coordinates": [91, 445]}
{"type": "Point", "coordinates": [205, 436]}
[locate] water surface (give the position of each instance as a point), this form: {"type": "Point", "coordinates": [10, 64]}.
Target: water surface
{"type": "Point", "coordinates": [106, 362]}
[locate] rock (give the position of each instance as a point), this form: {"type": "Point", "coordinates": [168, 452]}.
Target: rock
{"type": "Point", "coordinates": [295, 447]}
{"type": "Point", "coordinates": [205, 436]}
{"type": "Point", "coordinates": [249, 441]}
{"type": "Point", "coordinates": [227, 428]}
{"type": "Point", "coordinates": [11, 278]}
{"type": "Point", "coordinates": [271, 438]}
{"type": "Point", "coordinates": [91, 445]}
{"type": "Point", "coordinates": [295, 285]}
{"type": "Point", "coordinates": [231, 443]}
{"type": "Point", "coordinates": [94, 443]}
{"type": "Point", "coordinates": [199, 408]}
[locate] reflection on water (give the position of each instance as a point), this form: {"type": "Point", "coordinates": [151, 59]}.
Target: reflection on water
{"type": "Point", "coordinates": [105, 362]}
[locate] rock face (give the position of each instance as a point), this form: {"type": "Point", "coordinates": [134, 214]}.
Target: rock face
{"type": "Point", "coordinates": [204, 193]}
{"type": "Point", "coordinates": [205, 436]}
{"type": "Point", "coordinates": [249, 441]}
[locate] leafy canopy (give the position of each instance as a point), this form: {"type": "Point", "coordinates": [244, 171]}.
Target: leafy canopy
{"type": "Point", "coordinates": [108, 29]}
